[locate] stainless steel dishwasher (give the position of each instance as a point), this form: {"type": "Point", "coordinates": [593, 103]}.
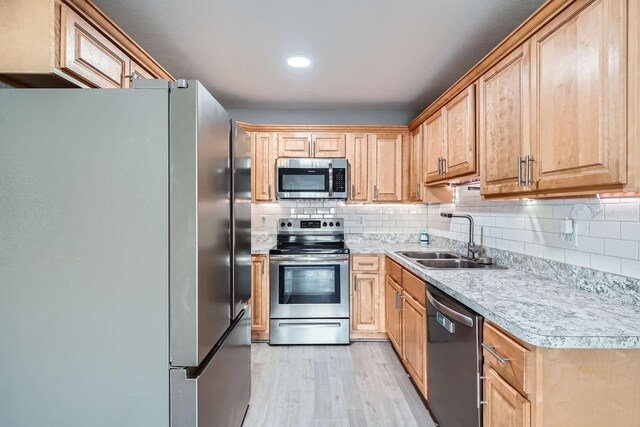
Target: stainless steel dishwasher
{"type": "Point", "coordinates": [454, 358]}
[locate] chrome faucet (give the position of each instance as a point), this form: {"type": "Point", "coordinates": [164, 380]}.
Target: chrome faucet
{"type": "Point", "coordinates": [472, 248]}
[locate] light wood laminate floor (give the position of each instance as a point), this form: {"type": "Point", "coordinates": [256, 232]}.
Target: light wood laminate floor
{"type": "Point", "coordinates": [363, 384]}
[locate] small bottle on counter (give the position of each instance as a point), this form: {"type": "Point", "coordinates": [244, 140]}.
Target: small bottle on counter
{"type": "Point", "coordinates": [424, 237]}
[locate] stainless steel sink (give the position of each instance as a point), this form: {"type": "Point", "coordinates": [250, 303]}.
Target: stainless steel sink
{"type": "Point", "coordinates": [430, 255]}
{"type": "Point", "coordinates": [451, 263]}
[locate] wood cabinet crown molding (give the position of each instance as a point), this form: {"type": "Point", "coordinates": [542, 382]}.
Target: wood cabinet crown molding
{"type": "Point", "coordinates": [324, 128]}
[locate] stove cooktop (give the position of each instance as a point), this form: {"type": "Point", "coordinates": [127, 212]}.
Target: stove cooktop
{"type": "Point", "coordinates": [306, 250]}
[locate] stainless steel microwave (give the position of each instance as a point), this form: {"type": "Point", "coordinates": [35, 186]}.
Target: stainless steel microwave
{"type": "Point", "coordinates": [310, 178]}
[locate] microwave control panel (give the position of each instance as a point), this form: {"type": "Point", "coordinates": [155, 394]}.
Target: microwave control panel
{"type": "Point", "coordinates": [339, 180]}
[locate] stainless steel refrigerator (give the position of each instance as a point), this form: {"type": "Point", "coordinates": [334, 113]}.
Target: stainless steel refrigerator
{"type": "Point", "coordinates": [124, 258]}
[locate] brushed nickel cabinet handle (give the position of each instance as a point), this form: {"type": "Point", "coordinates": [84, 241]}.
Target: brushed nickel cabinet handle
{"type": "Point", "coordinates": [527, 170]}
{"type": "Point", "coordinates": [353, 191]}
{"type": "Point", "coordinates": [262, 268]}
{"type": "Point", "coordinates": [491, 349]}
{"type": "Point", "coordinates": [444, 166]}
{"type": "Point", "coordinates": [439, 165]}
{"type": "Point", "coordinates": [375, 191]}
{"type": "Point", "coordinates": [519, 164]}
{"type": "Point", "coordinates": [269, 190]}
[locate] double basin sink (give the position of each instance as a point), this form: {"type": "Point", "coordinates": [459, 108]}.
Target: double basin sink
{"type": "Point", "coordinates": [443, 260]}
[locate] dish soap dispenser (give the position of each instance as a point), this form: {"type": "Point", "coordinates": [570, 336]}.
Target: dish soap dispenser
{"type": "Point", "coordinates": [424, 237]}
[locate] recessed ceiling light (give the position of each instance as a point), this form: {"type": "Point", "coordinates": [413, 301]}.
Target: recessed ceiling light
{"type": "Point", "coordinates": [298, 62]}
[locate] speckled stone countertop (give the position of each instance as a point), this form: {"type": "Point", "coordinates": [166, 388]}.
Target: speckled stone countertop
{"type": "Point", "coordinates": [539, 311]}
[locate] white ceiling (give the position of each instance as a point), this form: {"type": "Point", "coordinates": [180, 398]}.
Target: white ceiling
{"type": "Point", "coordinates": [366, 54]}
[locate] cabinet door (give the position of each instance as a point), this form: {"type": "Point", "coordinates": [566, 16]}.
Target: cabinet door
{"type": "Point", "coordinates": [579, 97]}
{"type": "Point", "coordinates": [393, 315]}
{"type": "Point", "coordinates": [414, 332]}
{"type": "Point", "coordinates": [85, 53]}
{"type": "Point", "coordinates": [385, 167]}
{"type": "Point", "coordinates": [433, 143]}
{"type": "Point", "coordinates": [294, 144]}
{"type": "Point", "coordinates": [332, 145]}
{"type": "Point", "coordinates": [358, 156]}
{"type": "Point", "coordinates": [504, 406]}
{"type": "Point", "coordinates": [460, 135]}
{"type": "Point", "coordinates": [365, 302]}
{"type": "Point", "coordinates": [415, 165]}
{"type": "Point", "coordinates": [263, 164]}
{"type": "Point", "coordinates": [260, 295]}
{"type": "Point", "coordinates": [504, 127]}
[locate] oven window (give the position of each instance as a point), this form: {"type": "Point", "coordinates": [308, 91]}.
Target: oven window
{"type": "Point", "coordinates": [296, 180]}
{"type": "Point", "coordinates": [309, 284]}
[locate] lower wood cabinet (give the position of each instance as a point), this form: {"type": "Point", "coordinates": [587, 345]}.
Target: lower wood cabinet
{"type": "Point", "coordinates": [367, 298]}
{"type": "Point", "coordinates": [392, 292]}
{"type": "Point", "coordinates": [259, 297]}
{"type": "Point", "coordinates": [525, 385]}
{"type": "Point", "coordinates": [407, 322]}
{"type": "Point", "coordinates": [414, 339]}
{"type": "Point", "coordinates": [503, 406]}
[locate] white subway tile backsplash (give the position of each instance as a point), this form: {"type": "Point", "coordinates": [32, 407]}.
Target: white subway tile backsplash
{"type": "Point", "coordinates": [606, 229]}
{"type": "Point", "coordinates": [606, 263]}
{"type": "Point", "coordinates": [622, 212]}
{"type": "Point", "coordinates": [621, 248]}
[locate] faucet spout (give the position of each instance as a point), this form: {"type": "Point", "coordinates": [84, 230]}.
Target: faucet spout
{"type": "Point", "coordinates": [471, 246]}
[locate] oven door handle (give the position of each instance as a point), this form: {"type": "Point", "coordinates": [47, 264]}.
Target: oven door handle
{"type": "Point", "coordinates": [309, 260]}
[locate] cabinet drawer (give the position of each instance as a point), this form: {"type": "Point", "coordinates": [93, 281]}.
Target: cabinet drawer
{"type": "Point", "coordinates": [365, 263]}
{"type": "Point", "coordinates": [394, 270]}
{"type": "Point", "coordinates": [414, 287]}
{"type": "Point", "coordinates": [87, 54]}
{"type": "Point", "coordinates": [507, 357]}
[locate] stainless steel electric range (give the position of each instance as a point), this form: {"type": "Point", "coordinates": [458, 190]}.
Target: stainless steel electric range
{"type": "Point", "coordinates": [309, 280]}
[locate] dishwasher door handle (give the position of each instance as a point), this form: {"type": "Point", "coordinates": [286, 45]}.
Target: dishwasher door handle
{"type": "Point", "coordinates": [462, 318]}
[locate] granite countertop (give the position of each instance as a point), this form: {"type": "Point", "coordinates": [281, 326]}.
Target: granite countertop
{"type": "Point", "coordinates": [540, 311]}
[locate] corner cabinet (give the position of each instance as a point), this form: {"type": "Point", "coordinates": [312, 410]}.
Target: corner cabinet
{"type": "Point", "coordinates": [259, 297]}
{"type": "Point", "coordinates": [385, 167]}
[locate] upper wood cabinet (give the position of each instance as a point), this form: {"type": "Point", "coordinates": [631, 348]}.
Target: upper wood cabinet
{"type": "Point", "coordinates": [263, 163]}
{"type": "Point", "coordinates": [460, 135]}
{"type": "Point", "coordinates": [415, 165]}
{"type": "Point", "coordinates": [450, 139]}
{"type": "Point", "coordinates": [300, 144]}
{"type": "Point", "coordinates": [294, 144]}
{"type": "Point", "coordinates": [358, 157]}
{"type": "Point", "coordinates": [88, 55]}
{"type": "Point", "coordinates": [579, 67]}
{"type": "Point", "coordinates": [68, 43]}
{"type": "Point", "coordinates": [385, 167]}
{"type": "Point", "coordinates": [434, 148]}
{"type": "Point", "coordinates": [333, 145]}
{"type": "Point", "coordinates": [504, 123]}
{"type": "Point", "coordinates": [259, 297]}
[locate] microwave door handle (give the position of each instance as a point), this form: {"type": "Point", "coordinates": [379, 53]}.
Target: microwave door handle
{"type": "Point", "coordinates": [330, 179]}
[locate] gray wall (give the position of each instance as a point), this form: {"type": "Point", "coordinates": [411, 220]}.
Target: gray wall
{"type": "Point", "coordinates": [323, 117]}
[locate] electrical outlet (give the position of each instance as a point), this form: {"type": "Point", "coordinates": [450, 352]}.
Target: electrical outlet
{"type": "Point", "coordinates": [569, 232]}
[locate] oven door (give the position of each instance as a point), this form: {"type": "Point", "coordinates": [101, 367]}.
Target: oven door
{"type": "Point", "coordinates": [309, 286]}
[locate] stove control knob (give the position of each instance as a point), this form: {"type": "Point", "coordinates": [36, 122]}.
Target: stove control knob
{"type": "Point", "coordinates": [289, 224]}
{"type": "Point", "coordinates": [337, 224]}
{"type": "Point", "coordinates": [282, 224]}
{"type": "Point", "coordinates": [330, 224]}
{"type": "Point", "coordinates": [324, 224]}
